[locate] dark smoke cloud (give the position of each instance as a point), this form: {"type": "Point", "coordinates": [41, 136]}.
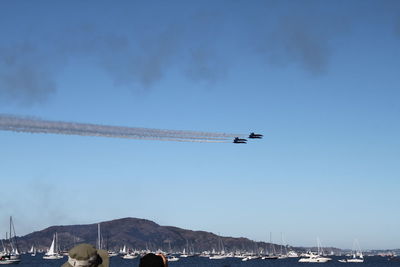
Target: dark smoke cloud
{"type": "Point", "coordinates": [297, 40]}
{"type": "Point", "coordinates": [136, 59]}
{"type": "Point", "coordinates": [139, 58]}
{"type": "Point", "coordinates": [24, 77]}
{"type": "Point", "coordinates": [205, 66]}
{"type": "Point", "coordinates": [143, 62]}
{"type": "Point", "coordinates": [206, 59]}
{"type": "Point", "coordinates": [144, 59]}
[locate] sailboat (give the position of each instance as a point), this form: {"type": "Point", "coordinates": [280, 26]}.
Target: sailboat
{"type": "Point", "coordinates": [357, 254]}
{"type": "Point", "coordinates": [188, 251]}
{"type": "Point", "coordinates": [221, 254]}
{"type": "Point", "coordinates": [130, 256]}
{"type": "Point", "coordinates": [9, 259]}
{"type": "Point", "coordinates": [172, 258]}
{"type": "Point", "coordinates": [12, 257]}
{"type": "Point", "coordinates": [123, 251]}
{"type": "Point", "coordinates": [32, 251]}
{"type": "Point", "coordinates": [100, 243]}
{"type": "Point", "coordinates": [52, 253]}
{"type": "Point", "coordinates": [272, 252]}
{"type": "Point", "coordinates": [283, 254]}
{"type": "Point", "coordinates": [184, 254]}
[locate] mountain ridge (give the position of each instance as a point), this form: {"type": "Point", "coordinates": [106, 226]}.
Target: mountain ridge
{"type": "Point", "coordinates": [136, 233]}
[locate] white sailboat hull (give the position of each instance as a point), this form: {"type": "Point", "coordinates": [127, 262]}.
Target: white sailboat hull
{"type": "Point", "coordinates": [352, 260]}
{"type": "Point", "coordinates": [129, 257]}
{"type": "Point", "coordinates": [53, 257]}
{"type": "Point", "coordinates": [10, 261]}
{"type": "Point", "coordinates": [171, 259]}
{"type": "Point", "coordinates": [355, 260]}
{"type": "Point", "coordinates": [7, 262]}
{"type": "Point", "coordinates": [217, 257]}
{"type": "Point", "coordinates": [315, 259]}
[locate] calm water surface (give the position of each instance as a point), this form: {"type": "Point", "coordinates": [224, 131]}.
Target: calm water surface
{"type": "Point", "coordinates": [37, 261]}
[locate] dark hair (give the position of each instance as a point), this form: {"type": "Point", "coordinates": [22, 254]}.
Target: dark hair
{"type": "Point", "coordinates": [151, 260]}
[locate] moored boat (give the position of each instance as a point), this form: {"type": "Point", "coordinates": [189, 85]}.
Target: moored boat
{"type": "Point", "coordinates": [357, 254]}
{"type": "Point", "coordinates": [314, 258]}
{"type": "Point", "coordinates": [10, 259]}
{"type": "Point", "coordinates": [172, 258]}
{"type": "Point", "coordinates": [52, 253]}
{"type": "Point", "coordinates": [13, 256]}
{"type": "Point", "coordinates": [130, 256]}
{"type": "Point", "coordinates": [311, 257]}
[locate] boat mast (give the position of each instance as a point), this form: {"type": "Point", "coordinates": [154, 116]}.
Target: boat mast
{"type": "Point", "coordinates": [10, 237]}
{"type": "Point", "coordinates": [15, 243]}
{"type": "Point", "coordinates": [272, 247]}
{"type": "Point", "coordinates": [98, 237]}
{"type": "Point", "coordinates": [12, 248]}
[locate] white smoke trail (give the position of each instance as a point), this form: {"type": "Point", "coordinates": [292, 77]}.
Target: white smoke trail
{"type": "Point", "coordinates": [21, 124]}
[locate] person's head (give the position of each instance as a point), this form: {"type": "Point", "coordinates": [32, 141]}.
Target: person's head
{"type": "Point", "coordinates": [86, 255]}
{"type": "Point", "coordinates": [153, 260]}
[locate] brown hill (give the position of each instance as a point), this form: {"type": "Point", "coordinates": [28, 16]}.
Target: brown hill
{"type": "Point", "coordinates": [136, 234]}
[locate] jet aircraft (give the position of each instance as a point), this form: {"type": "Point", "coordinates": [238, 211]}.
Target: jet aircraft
{"type": "Point", "coordinates": [255, 136]}
{"type": "Point", "coordinates": [238, 140]}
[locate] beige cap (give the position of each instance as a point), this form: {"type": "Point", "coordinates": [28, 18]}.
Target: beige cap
{"type": "Point", "coordinates": [86, 255]}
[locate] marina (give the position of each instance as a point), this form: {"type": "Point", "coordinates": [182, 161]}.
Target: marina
{"type": "Point", "coordinates": [221, 253]}
{"type": "Point", "coordinates": [118, 261]}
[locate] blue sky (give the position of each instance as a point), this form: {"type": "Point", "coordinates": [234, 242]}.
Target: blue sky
{"type": "Point", "coordinates": [320, 79]}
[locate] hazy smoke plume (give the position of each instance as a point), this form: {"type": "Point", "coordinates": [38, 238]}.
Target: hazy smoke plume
{"type": "Point", "coordinates": [205, 66]}
{"type": "Point", "coordinates": [28, 70]}
{"type": "Point", "coordinates": [200, 46]}
{"type": "Point", "coordinates": [296, 40]}
{"type": "Point", "coordinates": [24, 77]}
{"type": "Point", "coordinates": [18, 124]}
{"type": "Point", "coordinates": [144, 62]}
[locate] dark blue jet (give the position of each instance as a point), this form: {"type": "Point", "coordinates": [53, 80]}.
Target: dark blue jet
{"type": "Point", "coordinates": [255, 136]}
{"type": "Point", "coordinates": [238, 140]}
